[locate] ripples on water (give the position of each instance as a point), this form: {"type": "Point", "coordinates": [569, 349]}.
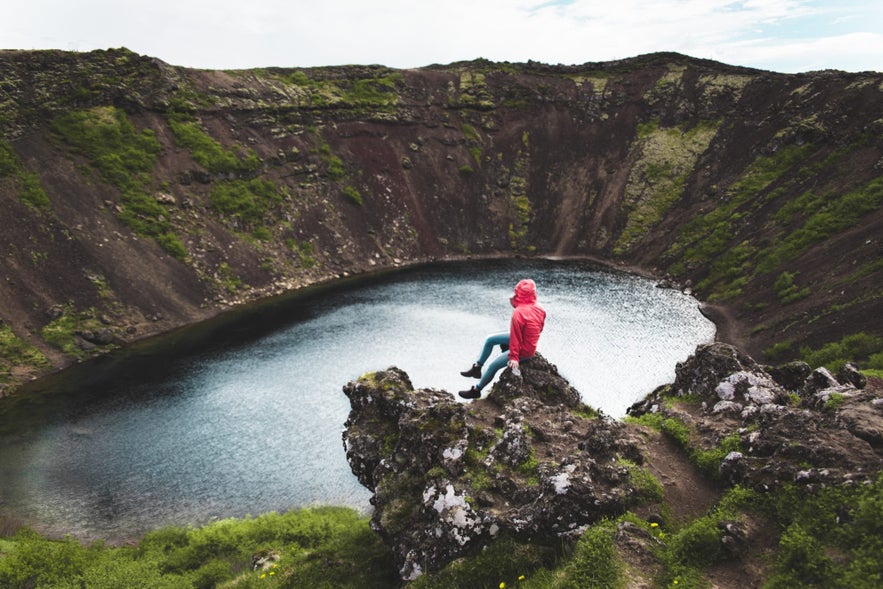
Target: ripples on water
{"type": "Point", "coordinates": [254, 426]}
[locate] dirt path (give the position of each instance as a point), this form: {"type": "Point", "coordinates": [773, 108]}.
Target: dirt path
{"type": "Point", "coordinates": [687, 493]}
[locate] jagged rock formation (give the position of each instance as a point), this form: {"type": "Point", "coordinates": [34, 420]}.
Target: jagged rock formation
{"type": "Point", "coordinates": [531, 461]}
{"type": "Point", "coordinates": [447, 478]}
{"type": "Point", "coordinates": [138, 197]}
{"type": "Point", "coordinates": [817, 431]}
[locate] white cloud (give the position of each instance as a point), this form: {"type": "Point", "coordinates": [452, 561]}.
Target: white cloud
{"type": "Point", "coordinates": [783, 35]}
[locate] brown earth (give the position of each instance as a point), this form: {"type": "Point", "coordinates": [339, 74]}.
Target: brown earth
{"type": "Point", "coordinates": [466, 160]}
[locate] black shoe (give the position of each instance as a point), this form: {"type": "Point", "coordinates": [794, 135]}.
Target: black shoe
{"type": "Point", "coordinates": [472, 393]}
{"type": "Point", "coordinates": [474, 372]}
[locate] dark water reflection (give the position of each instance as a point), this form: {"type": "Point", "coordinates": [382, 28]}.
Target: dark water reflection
{"type": "Point", "coordinates": [246, 417]}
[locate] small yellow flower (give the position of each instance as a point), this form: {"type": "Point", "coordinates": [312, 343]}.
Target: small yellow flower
{"type": "Point", "coordinates": [272, 572]}
{"type": "Point", "coordinates": [502, 584]}
{"type": "Point", "coordinates": [521, 578]}
{"type": "Point", "coordinates": [264, 575]}
{"type": "Point", "coordinates": [675, 582]}
{"type": "Point", "coordinates": [654, 525]}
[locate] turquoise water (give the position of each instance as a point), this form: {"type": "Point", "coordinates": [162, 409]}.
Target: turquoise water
{"type": "Point", "coordinates": [249, 419]}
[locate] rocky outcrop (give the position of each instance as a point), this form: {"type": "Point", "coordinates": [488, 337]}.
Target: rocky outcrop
{"type": "Point", "coordinates": [448, 478]}
{"type": "Point", "coordinates": [530, 461]}
{"type": "Point", "coordinates": [818, 431]}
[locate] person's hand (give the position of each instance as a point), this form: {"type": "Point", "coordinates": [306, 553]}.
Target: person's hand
{"type": "Point", "coordinates": [513, 364]}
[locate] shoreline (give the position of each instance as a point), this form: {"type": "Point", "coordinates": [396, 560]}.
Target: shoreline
{"type": "Point", "coordinates": [726, 329]}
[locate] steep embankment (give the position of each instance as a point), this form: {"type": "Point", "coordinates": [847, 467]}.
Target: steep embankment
{"type": "Point", "coordinates": [138, 197]}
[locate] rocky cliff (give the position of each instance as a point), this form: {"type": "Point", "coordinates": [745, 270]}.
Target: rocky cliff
{"type": "Point", "coordinates": [138, 197]}
{"type": "Point", "coordinates": [531, 462]}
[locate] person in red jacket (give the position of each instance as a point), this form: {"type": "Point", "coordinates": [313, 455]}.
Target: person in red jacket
{"type": "Point", "coordinates": [525, 327]}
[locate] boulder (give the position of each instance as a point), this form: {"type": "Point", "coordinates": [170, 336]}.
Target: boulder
{"type": "Point", "coordinates": [530, 461]}
{"type": "Point", "coordinates": [702, 372]}
{"type": "Point", "coordinates": [831, 433]}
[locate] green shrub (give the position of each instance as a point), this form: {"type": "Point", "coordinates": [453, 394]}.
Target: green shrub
{"type": "Point", "coordinates": [16, 352]}
{"type": "Point", "coordinates": [852, 348]}
{"type": "Point", "coordinates": [335, 168]}
{"type": "Point", "coordinates": [779, 350]}
{"type": "Point", "coordinates": [9, 163]}
{"type": "Point", "coordinates": [594, 563]}
{"type": "Point", "coordinates": [677, 430]}
{"type": "Point", "coordinates": [107, 572]}
{"type": "Point", "coordinates": [801, 561]}
{"type": "Point", "coordinates": [37, 562]}
{"type": "Point", "coordinates": [646, 484]}
{"type": "Point", "coordinates": [787, 291]}
{"type": "Point", "coordinates": [353, 194]}
{"type": "Point", "coordinates": [504, 561]}
{"type": "Point", "coordinates": [30, 191]}
{"type": "Point", "coordinates": [813, 528]}
{"type": "Point", "coordinates": [229, 278]}
{"type": "Point", "coordinates": [208, 152]}
{"type": "Point", "coordinates": [61, 331]}
{"type": "Point", "coordinates": [304, 252]}
{"type": "Point", "coordinates": [124, 158]}
{"type": "Point", "coordinates": [698, 543]}
{"type": "Point", "coordinates": [322, 547]}
{"type": "Point", "coordinates": [246, 201]}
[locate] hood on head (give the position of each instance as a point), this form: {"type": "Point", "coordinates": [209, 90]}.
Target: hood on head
{"type": "Point", "coordinates": [525, 292]}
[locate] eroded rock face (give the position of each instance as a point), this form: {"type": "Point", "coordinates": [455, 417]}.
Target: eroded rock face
{"type": "Point", "coordinates": [449, 477]}
{"type": "Point", "coordinates": [531, 461]}
{"type": "Point", "coordinates": [815, 432]}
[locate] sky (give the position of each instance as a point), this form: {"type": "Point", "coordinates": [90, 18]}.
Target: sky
{"type": "Point", "coordinates": [788, 36]}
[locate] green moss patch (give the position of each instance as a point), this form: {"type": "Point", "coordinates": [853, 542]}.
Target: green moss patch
{"type": "Point", "coordinates": [656, 182]}
{"type": "Point", "coordinates": [125, 158]}
{"type": "Point", "coordinates": [16, 352]}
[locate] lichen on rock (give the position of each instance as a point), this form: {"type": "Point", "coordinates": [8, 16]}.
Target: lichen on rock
{"type": "Point", "coordinates": [815, 432]}
{"type": "Point", "coordinates": [448, 478]}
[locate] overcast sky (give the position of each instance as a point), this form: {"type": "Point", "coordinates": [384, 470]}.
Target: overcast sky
{"type": "Point", "coordinates": [780, 35]}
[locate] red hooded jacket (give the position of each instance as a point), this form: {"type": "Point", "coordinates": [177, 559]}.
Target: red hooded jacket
{"type": "Point", "coordinates": [527, 322]}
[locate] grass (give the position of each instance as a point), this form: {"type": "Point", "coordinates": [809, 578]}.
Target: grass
{"type": "Point", "coordinates": [61, 331]}
{"type": "Point", "coordinates": [30, 191]}
{"type": "Point", "coordinates": [335, 547]}
{"type": "Point", "coordinates": [353, 195]}
{"type": "Point", "coordinates": [656, 183]}
{"type": "Point", "coordinates": [304, 251]}
{"type": "Point", "coordinates": [322, 547]}
{"type": "Point", "coordinates": [866, 349]}
{"type": "Point", "coordinates": [245, 202]}
{"type": "Point", "coordinates": [123, 157]}
{"type": "Point", "coordinates": [208, 152]}
{"type": "Point", "coordinates": [799, 223]}
{"type": "Point", "coordinates": [823, 216]}
{"type": "Point", "coordinates": [376, 92]}
{"type": "Point", "coordinates": [708, 236]}
{"type": "Point", "coordinates": [818, 548]}
{"type": "Point", "coordinates": [708, 461]}
{"type": "Point", "coordinates": [16, 352]}
{"type": "Point", "coordinates": [787, 290]}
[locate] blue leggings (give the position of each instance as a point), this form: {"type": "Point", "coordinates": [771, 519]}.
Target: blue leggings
{"type": "Point", "coordinates": [497, 339]}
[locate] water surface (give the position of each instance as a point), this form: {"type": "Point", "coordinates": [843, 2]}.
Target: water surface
{"type": "Point", "coordinates": [250, 420]}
